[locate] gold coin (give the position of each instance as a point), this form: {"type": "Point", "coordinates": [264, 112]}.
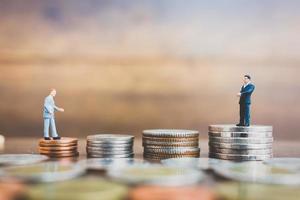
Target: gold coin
{"type": "Point", "coordinates": [70, 148]}
{"type": "Point", "coordinates": [63, 140]}
{"type": "Point", "coordinates": [73, 154]}
{"type": "Point", "coordinates": [59, 145]}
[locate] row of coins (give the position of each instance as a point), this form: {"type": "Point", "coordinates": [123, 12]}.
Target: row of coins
{"type": "Point", "coordinates": [110, 146]}
{"type": "Point", "coordinates": [230, 142]}
{"type": "Point", "coordinates": [169, 143]}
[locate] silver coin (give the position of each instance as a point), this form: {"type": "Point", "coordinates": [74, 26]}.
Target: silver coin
{"type": "Point", "coordinates": [106, 145]}
{"type": "Point", "coordinates": [100, 148]}
{"type": "Point", "coordinates": [242, 134]}
{"type": "Point", "coordinates": [239, 146]}
{"type": "Point", "coordinates": [156, 175]}
{"type": "Point", "coordinates": [241, 140]}
{"type": "Point", "coordinates": [110, 137]}
{"type": "Point", "coordinates": [198, 163]}
{"type": "Point", "coordinates": [170, 133]}
{"type": "Point", "coordinates": [44, 172]}
{"type": "Point", "coordinates": [242, 151]}
{"type": "Point", "coordinates": [97, 155]}
{"type": "Point", "coordinates": [240, 157]}
{"type": "Point", "coordinates": [107, 163]}
{"type": "Point", "coordinates": [166, 156]}
{"type": "Point", "coordinates": [258, 172]}
{"type": "Point", "coordinates": [156, 143]}
{"type": "Point", "coordinates": [179, 150]}
{"type": "Point", "coordinates": [109, 152]}
{"type": "Point", "coordinates": [284, 162]}
{"type": "Point", "coordinates": [21, 159]}
{"type": "Point", "coordinates": [234, 128]}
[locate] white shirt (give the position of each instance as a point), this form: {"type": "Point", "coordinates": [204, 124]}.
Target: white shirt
{"type": "Point", "coordinates": [246, 84]}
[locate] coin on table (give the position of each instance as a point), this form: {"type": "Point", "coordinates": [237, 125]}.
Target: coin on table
{"type": "Point", "coordinates": [164, 193]}
{"type": "Point", "coordinates": [110, 137]}
{"type": "Point", "coordinates": [241, 140]}
{"type": "Point", "coordinates": [171, 139]}
{"type": "Point", "coordinates": [21, 159]}
{"type": "Point", "coordinates": [234, 128]}
{"type": "Point", "coordinates": [156, 175]}
{"type": "Point", "coordinates": [171, 150]}
{"type": "Point", "coordinates": [44, 172]}
{"type": "Point", "coordinates": [174, 144]}
{"type": "Point", "coordinates": [285, 162]}
{"type": "Point", "coordinates": [198, 163]}
{"type": "Point", "coordinates": [238, 157]}
{"type": "Point", "coordinates": [63, 140]}
{"type": "Point", "coordinates": [170, 133]}
{"type": "Point", "coordinates": [239, 145]}
{"type": "Point", "coordinates": [241, 151]}
{"type": "Point", "coordinates": [258, 172]}
{"type": "Point", "coordinates": [250, 191]}
{"type": "Point", "coordinates": [241, 134]}
{"type": "Point", "coordinates": [106, 163]}
{"type": "Point", "coordinates": [69, 148]}
{"type": "Point", "coordinates": [79, 189]}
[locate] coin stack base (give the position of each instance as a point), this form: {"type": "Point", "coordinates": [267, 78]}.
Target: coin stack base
{"type": "Point", "coordinates": [65, 147]}
{"type": "Point", "coordinates": [170, 143]}
{"type": "Point", "coordinates": [240, 143]}
{"type": "Point", "coordinates": [110, 146]}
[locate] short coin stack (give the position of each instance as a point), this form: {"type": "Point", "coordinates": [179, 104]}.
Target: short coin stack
{"type": "Point", "coordinates": [170, 143]}
{"type": "Point", "coordinates": [65, 147]}
{"type": "Point", "coordinates": [240, 143]}
{"type": "Point", "coordinates": [110, 146]}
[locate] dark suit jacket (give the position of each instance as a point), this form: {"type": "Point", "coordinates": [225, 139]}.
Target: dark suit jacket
{"type": "Point", "coordinates": [246, 94]}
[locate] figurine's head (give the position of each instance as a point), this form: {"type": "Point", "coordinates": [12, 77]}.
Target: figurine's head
{"type": "Point", "coordinates": [53, 92]}
{"type": "Point", "coordinates": [247, 78]}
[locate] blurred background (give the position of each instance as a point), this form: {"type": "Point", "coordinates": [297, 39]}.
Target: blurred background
{"type": "Point", "coordinates": [124, 66]}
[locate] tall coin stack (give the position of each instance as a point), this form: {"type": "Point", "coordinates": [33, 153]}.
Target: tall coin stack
{"type": "Point", "coordinates": [65, 147]}
{"type": "Point", "coordinates": [240, 143]}
{"type": "Point", "coordinates": [170, 143]}
{"type": "Point", "coordinates": [110, 146]}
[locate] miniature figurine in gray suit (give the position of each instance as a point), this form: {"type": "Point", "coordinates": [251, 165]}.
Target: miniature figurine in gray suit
{"type": "Point", "coordinates": [48, 114]}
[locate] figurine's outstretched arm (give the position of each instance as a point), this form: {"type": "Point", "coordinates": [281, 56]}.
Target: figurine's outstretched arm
{"type": "Point", "coordinates": [249, 90]}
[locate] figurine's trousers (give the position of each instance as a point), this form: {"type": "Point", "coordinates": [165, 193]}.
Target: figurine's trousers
{"type": "Point", "coordinates": [245, 114]}
{"type": "Point", "coordinates": [50, 123]}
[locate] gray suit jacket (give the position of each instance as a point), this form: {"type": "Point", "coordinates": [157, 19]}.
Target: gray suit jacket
{"type": "Point", "coordinates": [49, 107]}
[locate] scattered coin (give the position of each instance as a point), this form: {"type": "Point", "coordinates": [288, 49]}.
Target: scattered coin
{"type": "Point", "coordinates": [198, 163]}
{"type": "Point", "coordinates": [251, 191]}
{"type": "Point", "coordinates": [21, 159]}
{"type": "Point", "coordinates": [108, 163]}
{"type": "Point", "coordinates": [258, 172]}
{"type": "Point", "coordinates": [79, 189]}
{"type": "Point", "coordinates": [285, 162]}
{"type": "Point", "coordinates": [156, 175]}
{"type": "Point", "coordinates": [43, 172]}
{"type": "Point", "coordinates": [168, 193]}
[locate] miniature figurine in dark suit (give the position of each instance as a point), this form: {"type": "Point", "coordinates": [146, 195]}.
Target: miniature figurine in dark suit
{"type": "Point", "coordinates": [245, 101]}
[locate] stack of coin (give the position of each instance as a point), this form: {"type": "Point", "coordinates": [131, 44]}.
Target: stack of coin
{"type": "Point", "coordinates": [65, 147]}
{"type": "Point", "coordinates": [110, 146]}
{"type": "Point", "coordinates": [240, 143]}
{"type": "Point", "coordinates": [170, 143]}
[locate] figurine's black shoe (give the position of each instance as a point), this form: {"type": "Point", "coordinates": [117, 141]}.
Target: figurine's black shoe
{"type": "Point", "coordinates": [240, 125]}
{"type": "Point", "coordinates": [56, 138]}
{"type": "Point", "coordinates": [47, 138]}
